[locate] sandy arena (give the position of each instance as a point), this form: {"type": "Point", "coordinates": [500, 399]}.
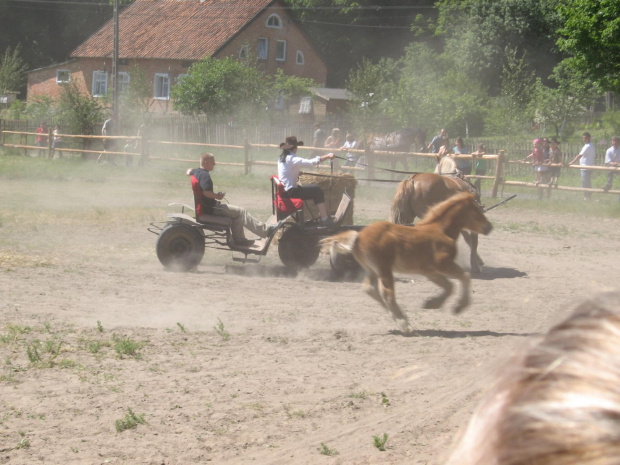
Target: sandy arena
{"type": "Point", "coordinates": [236, 366]}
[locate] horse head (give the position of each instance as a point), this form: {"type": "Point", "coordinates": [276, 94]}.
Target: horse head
{"type": "Point", "coordinates": [473, 216]}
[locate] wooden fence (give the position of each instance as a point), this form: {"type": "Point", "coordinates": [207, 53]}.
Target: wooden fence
{"type": "Point", "coordinates": [375, 162]}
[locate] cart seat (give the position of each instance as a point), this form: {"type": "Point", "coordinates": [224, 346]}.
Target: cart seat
{"type": "Point", "coordinates": [201, 216]}
{"type": "Point", "coordinates": [283, 206]}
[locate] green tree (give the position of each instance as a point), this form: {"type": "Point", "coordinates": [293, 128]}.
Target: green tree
{"type": "Point", "coordinates": [591, 34]}
{"type": "Point", "coordinates": [12, 69]}
{"type": "Point", "coordinates": [79, 112]}
{"type": "Point", "coordinates": [478, 32]}
{"type": "Point", "coordinates": [370, 86]}
{"type": "Point", "coordinates": [134, 102]}
{"type": "Point", "coordinates": [573, 93]}
{"type": "Point", "coordinates": [41, 107]}
{"type": "Point", "coordinates": [220, 87]}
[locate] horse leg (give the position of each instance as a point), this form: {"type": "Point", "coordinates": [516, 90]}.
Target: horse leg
{"type": "Point", "coordinates": [386, 289]}
{"type": "Point", "coordinates": [371, 286]}
{"type": "Point", "coordinates": [456, 272]}
{"type": "Point", "coordinates": [437, 301]}
{"type": "Point", "coordinates": [475, 262]}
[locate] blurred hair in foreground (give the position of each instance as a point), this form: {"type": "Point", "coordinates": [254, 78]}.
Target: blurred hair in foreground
{"type": "Point", "coordinates": [558, 403]}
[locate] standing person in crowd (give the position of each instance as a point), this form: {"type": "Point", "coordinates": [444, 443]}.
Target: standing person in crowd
{"type": "Point", "coordinates": [41, 138]}
{"type": "Point", "coordinates": [586, 158]}
{"type": "Point", "coordinates": [462, 164]}
{"type": "Point", "coordinates": [209, 203]}
{"type": "Point", "coordinates": [350, 144]}
{"type": "Point", "coordinates": [436, 142]}
{"type": "Point", "coordinates": [289, 166]}
{"type": "Point", "coordinates": [318, 137]}
{"type": "Point", "coordinates": [480, 164]}
{"type": "Point", "coordinates": [56, 141]}
{"type": "Point", "coordinates": [612, 159]}
{"type": "Point", "coordinates": [546, 146]}
{"type": "Point", "coordinates": [538, 161]}
{"type": "Point", "coordinates": [555, 158]}
{"type": "Point", "coordinates": [108, 144]}
{"type": "Point", "coordinates": [333, 140]}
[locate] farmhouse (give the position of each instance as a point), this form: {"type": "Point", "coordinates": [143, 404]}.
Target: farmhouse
{"type": "Point", "coordinates": [164, 37]}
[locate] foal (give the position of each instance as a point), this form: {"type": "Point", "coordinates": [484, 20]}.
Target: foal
{"type": "Point", "coordinates": [428, 248]}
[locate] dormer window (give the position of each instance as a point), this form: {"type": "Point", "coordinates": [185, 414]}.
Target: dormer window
{"type": "Point", "coordinates": [274, 21]}
{"type": "Point", "coordinates": [244, 52]}
{"type": "Point", "coordinates": [300, 57]}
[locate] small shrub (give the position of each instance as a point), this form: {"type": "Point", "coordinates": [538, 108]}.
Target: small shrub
{"type": "Point", "coordinates": [379, 442]}
{"type": "Point", "coordinates": [325, 450]}
{"type": "Point", "coordinates": [130, 421]}
{"type": "Point", "coordinates": [126, 346]}
{"type": "Point", "coordinates": [99, 326]}
{"type": "Point", "coordinates": [219, 329]}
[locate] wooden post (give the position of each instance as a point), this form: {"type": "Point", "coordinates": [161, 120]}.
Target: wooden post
{"type": "Point", "coordinates": [246, 155]}
{"type": "Point", "coordinates": [144, 153]}
{"type": "Point", "coordinates": [499, 169]}
{"type": "Point", "coordinates": [370, 164]}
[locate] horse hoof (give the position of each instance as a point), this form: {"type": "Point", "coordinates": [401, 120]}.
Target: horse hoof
{"type": "Point", "coordinates": [431, 304]}
{"type": "Point", "coordinates": [458, 309]}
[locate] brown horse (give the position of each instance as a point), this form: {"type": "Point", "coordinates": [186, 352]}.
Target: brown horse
{"type": "Point", "coordinates": [416, 194]}
{"type": "Point", "coordinates": [428, 248]}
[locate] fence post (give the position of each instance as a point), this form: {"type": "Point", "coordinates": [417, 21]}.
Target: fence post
{"type": "Point", "coordinates": [499, 169]}
{"type": "Point", "coordinates": [246, 155]}
{"type": "Point", "coordinates": [144, 153]}
{"type": "Point", "coordinates": [370, 164]}
{"type": "Point", "coordinates": [1, 133]}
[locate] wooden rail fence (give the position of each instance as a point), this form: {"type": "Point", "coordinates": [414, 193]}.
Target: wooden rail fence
{"type": "Point", "coordinates": [372, 163]}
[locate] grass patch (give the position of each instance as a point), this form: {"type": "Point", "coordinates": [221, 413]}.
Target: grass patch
{"type": "Point", "coordinates": [219, 329]}
{"type": "Point", "coordinates": [379, 441]}
{"type": "Point", "coordinates": [326, 450]}
{"type": "Point", "coordinates": [129, 421]}
{"type": "Point", "coordinates": [126, 346]}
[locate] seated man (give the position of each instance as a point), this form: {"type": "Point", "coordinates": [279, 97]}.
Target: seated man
{"type": "Point", "coordinates": [210, 204]}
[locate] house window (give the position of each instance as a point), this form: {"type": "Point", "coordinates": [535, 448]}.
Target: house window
{"type": "Point", "coordinates": [281, 50]}
{"type": "Point", "coordinates": [123, 82]}
{"type": "Point", "coordinates": [274, 21]}
{"type": "Point", "coordinates": [100, 83]}
{"type": "Point", "coordinates": [244, 52]}
{"type": "Point", "coordinates": [305, 106]}
{"type": "Point", "coordinates": [300, 57]}
{"type": "Point", "coordinates": [63, 76]}
{"type": "Point", "coordinates": [263, 45]}
{"type": "Point", "coordinates": [161, 87]}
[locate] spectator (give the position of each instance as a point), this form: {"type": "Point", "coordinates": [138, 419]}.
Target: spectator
{"type": "Point", "coordinates": [612, 159]}
{"type": "Point", "coordinates": [56, 141]}
{"type": "Point", "coordinates": [351, 144]}
{"type": "Point", "coordinates": [480, 164]}
{"type": "Point", "coordinates": [462, 164]}
{"type": "Point", "coordinates": [546, 146]}
{"type": "Point", "coordinates": [318, 137]}
{"type": "Point", "coordinates": [538, 161]}
{"type": "Point", "coordinates": [42, 138]}
{"type": "Point", "coordinates": [555, 158]}
{"type": "Point", "coordinates": [586, 158]}
{"type": "Point", "coordinates": [333, 140]}
{"type": "Point", "coordinates": [558, 402]}
{"type": "Point", "coordinates": [436, 142]}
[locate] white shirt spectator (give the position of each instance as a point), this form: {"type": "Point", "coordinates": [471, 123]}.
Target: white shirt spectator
{"type": "Point", "coordinates": [612, 155]}
{"type": "Point", "coordinates": [588, 152]}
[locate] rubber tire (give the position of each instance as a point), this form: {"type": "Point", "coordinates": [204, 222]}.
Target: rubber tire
{"type": "Point", "coordinates": [297, 250]}
{"type": "Point", "coordinates": [180, 247]}
{"type": "Point", "coordinates": [344, 265]}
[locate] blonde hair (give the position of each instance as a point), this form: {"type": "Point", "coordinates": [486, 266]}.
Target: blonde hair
{"type": "Point", "coordinates": [559, 404]}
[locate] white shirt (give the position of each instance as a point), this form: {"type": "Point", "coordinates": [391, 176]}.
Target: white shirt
{"type": "Point", "coordinates": [612, 155]}
{"type": "Point", "coordinates": [288, 172]}
{"type": "Point", "coordinates": [588, 152]}
{"type": "Point", "coordinates": [351, 145]}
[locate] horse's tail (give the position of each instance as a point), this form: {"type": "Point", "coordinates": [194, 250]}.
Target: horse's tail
{"type": "Point", "coordinates": [401, 211]}
{"type": "Point", "coordinates": [341, 243]}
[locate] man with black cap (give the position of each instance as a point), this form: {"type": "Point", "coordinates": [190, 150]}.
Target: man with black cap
{"type": "Point", "coordinates": [289, 166]}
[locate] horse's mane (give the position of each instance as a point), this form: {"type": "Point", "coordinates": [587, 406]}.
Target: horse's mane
{"type": "Point", "coordinates": [441, 209]}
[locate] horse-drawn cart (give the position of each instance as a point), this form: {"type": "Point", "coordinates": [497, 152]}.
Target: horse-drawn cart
{"type": "Point", "coordinates": [182, 239]}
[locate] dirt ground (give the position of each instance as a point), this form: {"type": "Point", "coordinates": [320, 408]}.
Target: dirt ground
{"type": "Point", "coordinates": [236, 364]}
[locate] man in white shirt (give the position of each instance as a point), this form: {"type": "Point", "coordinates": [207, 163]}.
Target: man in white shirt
{"type": "Point", "coordinates": [586, 158]}
{"type": "Point", "coordinates": [612, 159]}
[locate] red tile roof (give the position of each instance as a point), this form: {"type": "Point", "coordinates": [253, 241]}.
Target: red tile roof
{"type": "Point", "coordinates": [173, 29]}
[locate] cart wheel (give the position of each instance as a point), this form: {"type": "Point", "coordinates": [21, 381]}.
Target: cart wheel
{"type": "Point", "coordinates": [180, 247]}
{"type": "Point", "coordinates": [297, 250]}
{"type": "Point", "coordinates": [344, 265]}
